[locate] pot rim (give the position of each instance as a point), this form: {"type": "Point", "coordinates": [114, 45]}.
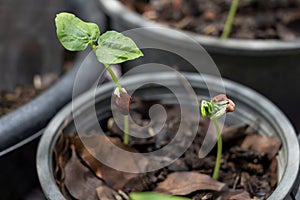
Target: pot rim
{"type": "Point", "coordinates": [259, 47]}
{"type": "Point", "coordinates": [50, 136]}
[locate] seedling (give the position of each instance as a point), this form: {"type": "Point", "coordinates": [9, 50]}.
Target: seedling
{"type": "Point", "coordinates": [110, 47]}
{"type": "Point", "coordinates": [230, 18]}
{"type": "Point", "coordinates": [214, 109]}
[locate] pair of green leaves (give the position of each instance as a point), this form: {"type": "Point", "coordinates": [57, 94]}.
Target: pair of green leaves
{"type": "Point", "coordinates": [213, 110]}
{"type": "Point", "coordinates": [76, 35]}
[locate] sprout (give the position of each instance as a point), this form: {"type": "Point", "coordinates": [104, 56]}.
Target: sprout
{"type": "Point", "coordinates": [110, 47]}
{"type": "Point", "coordinates": [214, 109]}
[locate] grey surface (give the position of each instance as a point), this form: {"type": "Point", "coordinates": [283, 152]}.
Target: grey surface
{"type": "Point", "coordinates": [250, 108]}
{"type": "Point", "coordinates": [28, 42]}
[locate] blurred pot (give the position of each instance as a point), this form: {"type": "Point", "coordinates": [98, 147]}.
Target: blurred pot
{"type": "Point", "coordinates": [271, 67]}
{"type": "Point", "coordinates": [30, 46]}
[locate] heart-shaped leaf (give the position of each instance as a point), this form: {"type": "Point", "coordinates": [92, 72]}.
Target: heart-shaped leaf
{"type": "Point", "coordinates": [73, 33]}
{"type": "Point", "coordinates": [115, 48]}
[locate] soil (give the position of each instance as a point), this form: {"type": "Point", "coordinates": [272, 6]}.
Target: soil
{"type": "Point", "coordinates": [255, 19]}
{"type": "Point", "coordinates": [13, 99]}
{"type": "Point", "coordinates": [248, 165]}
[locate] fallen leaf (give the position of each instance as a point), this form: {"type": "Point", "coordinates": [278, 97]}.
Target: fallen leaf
{"type": "Point", "coordinates": [183, 183]}
{"type": "Point", "coordinates": [112, 177]}
{"type": "Point", "coordinates": [62, 155]}
{"type": "Point", "coordinates": [234, 133]}
{"type": "Point", "coordinates": [79, 180]}
{"type": "Point", "coordinates": [268, 145]}
{"type": "Point", "coordinates": [59, 151]}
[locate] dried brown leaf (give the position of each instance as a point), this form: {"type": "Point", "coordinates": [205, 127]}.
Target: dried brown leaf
{"type": "Point", "coordinates": [112, 177]}
{"type": "Point", "coordinates": [79, 180]}
{"type": "Point", "coordinates": [234, 133]}
{"type": "Point", "coordinates": [183, 183]}
{"type": "Point", "coordinates": [62, 156]}
{"type": "Point", "coordinates": [268, 145]}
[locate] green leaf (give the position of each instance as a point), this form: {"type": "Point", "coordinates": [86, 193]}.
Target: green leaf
{"type": "Point", "coordinates": [115, 48]}
{"type": "Point", "coordinates": [213, 110]}
{"type": "Point", "coordinates": [154, 196]}
{"type": "Point", "coordinates": [219, 109]}
{"type": "Point", "coordinates": [73, 33]}
{"type": "Point", "coordinates": [206, 108]}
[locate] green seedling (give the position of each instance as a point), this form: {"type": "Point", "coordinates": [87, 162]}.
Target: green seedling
{"type": "Point", "coordinates": [230, 18]}
{"type": "Point", "coordinates": [110, 47]}
{"type": "Point", "coordinates": [214, 109]}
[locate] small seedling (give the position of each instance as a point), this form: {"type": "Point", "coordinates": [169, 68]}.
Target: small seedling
{"type": "Point", "coordinates": [230, 18]}
{"type": "Point", "coordinates": [110, 47]}
{"type": "Point", "coordinates": [214, 109]}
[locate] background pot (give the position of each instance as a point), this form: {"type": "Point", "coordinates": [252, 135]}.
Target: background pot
{"type": "Point", "coordinates": [271, 67]}
{"type": "Point", "coordinates": [30, 47]}
{"type": "Point", "coordinates": [28, 41]}
{"type": "Point", "coordinates": [20, 132]}
{"type": "Point", "coordinates": [250, 107]}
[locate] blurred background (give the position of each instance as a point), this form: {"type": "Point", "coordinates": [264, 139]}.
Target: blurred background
{"type": "Point", "coordinates": [32, 61]}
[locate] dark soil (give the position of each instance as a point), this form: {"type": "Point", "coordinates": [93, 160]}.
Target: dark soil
{"type": "Point", "coordinates": [255, 19]}
{"type": "Point", "coordinates": [248, 166]}
{"type": "Point", "coordinates": [11, 100]}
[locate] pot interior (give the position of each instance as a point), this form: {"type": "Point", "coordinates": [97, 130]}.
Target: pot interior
{"type": "Point", "coordinates": [251, 108]}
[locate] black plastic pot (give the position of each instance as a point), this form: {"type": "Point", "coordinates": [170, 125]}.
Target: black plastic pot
{"type": "Point", "coordinates": [250, 107]}
{"type": "Point", "coordinates": [271, 67]}
{"type": "Point", "coordinates": [31, 47]}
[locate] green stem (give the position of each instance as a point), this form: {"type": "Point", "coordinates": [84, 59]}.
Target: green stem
{"type": "Point", "coordinates": [126, 119]}
{"type": "Point", "coordinates": [230, 18]}
{"type": "Point", "coordinates": [108, 68]}
{"type": "Point", "coordinates": [126, 130]}
{"type": "Point", "coordinates": [219, 151]}
{"type": "Point", "coordinates": [114, 77]}
{"type": "Point", "coordinates": [93, 45]}
{"type": "Point", "coordinates": [116, 80]}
